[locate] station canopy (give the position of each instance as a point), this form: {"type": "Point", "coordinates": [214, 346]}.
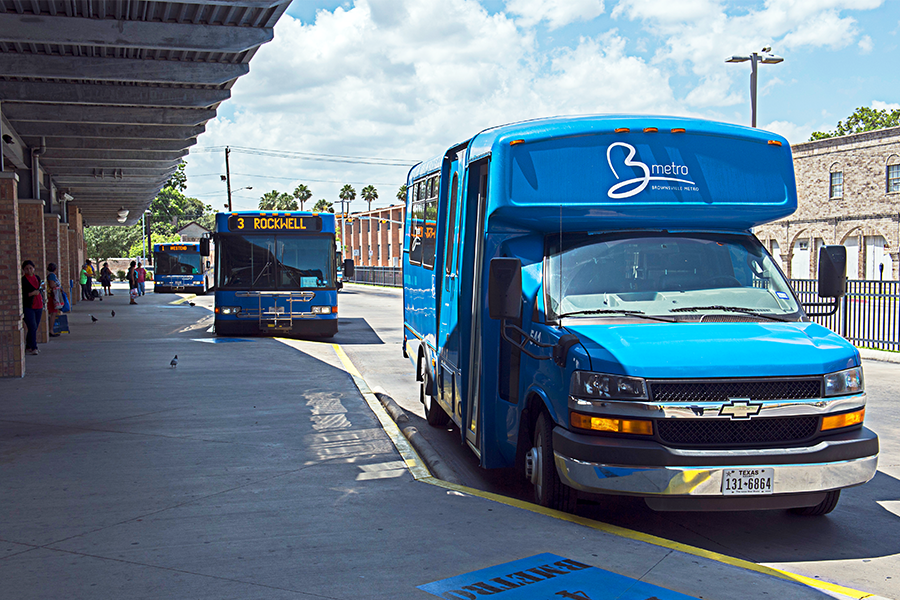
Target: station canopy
{"type": "Point", "coordinates": [111, 94]}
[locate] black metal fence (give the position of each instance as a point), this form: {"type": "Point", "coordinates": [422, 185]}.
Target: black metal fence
{"type": "Point", "coordinates": [869, 313]}
{"type": "Point", "coordinates": [389, 276]}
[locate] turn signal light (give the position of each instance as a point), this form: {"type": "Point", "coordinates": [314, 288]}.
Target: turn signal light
{"type": "Point", "coordinates": [844, 420]}
{"type": "Point", "coordinates": [516, 142]}
{"type": "Point", "coordinates": [622, 130]}
{"type": "Point", "coordinates": [611, 425]}
{"type": "Point", "coordinates": [774, 143]}
{"type": "Point", "coordinates": [678, 130]}
{"type": "Point", "coordinates": [650, 130]}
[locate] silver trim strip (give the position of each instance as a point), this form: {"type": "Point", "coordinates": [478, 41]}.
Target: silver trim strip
{"type": "Point", "coordinates": [707, 481]}
{"type": "Point", "coordinates": [697, 410]}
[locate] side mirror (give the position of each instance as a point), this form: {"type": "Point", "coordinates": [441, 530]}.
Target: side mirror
{"type": "Point", "coordinates": [832, 271]}
{"type": "Point", "coordinates": [348, 268]}
{"type": "Point", "coordinates": [505, 288]}
{"type": "Point", "coordinates": [208, 264]}
{"type": "Point", "coordinates": [204, 246]}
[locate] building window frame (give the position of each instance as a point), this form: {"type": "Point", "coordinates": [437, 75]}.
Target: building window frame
{"type": "Point", "coordinates": [836, 185]}
{"type": "Point", "coordinates": [892, 173]}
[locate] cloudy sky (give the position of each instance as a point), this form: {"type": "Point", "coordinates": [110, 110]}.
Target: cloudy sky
{"type": "Point", "coordinates": [387, 83]}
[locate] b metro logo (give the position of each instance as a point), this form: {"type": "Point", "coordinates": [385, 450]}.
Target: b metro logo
{"type": "Point", "coordinates": [641, 182]}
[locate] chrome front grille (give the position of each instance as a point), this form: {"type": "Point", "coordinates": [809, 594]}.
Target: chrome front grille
{"type": "Point", "coordinates": [724, 432]}
{"type": "Point", "coordinates": [721, 390]}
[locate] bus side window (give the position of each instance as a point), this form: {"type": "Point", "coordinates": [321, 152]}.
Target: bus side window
{"type": "Point", "coordinates": [451, 229]}
{"type": "Point", "coordinates": [416, 233]}
{"type": "Point", "coordinates": [429, 238]}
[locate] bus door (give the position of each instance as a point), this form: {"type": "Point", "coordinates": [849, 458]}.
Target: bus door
{"type": "Point", "coordinates": [473, 225]}
{"type": "Point", "coordinates": [448, 376]}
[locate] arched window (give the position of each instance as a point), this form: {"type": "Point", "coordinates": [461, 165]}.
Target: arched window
{"type": "Point", "coordinates": [836, 182]}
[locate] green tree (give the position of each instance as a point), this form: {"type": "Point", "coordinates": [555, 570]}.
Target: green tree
{"type": "Point", "coordinates": [323, 205]}
{"type": "Point", "coordinates": [369, 194]}
{"type": "Point", "coordinates": [276, 200]}
{"type": "Point", "coordinates": [302, 194]}
{"type": "Point", "coordinates": [401, 194]}
{"type": "Point", "coordinates": [101, 243]}
{"type": "Point", "coordinates": [862, 119]}
{"type": "Point", "coordinates": [348, 195]}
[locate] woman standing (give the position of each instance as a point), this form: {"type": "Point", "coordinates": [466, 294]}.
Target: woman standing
{"type": "Point", "coordinates": [106, 279]}
{"type": "Point", "coordinates": [132, 282]}
{"type": "Point", "coordinates": [32, 305]}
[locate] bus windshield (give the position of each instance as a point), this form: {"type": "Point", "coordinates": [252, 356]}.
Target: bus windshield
{"type": "Point", "coordinates": [672, 276]}
{"type": "Point", "coordinates": [275, 262]}
{"type": "Point", "coordinates": [177, 263]}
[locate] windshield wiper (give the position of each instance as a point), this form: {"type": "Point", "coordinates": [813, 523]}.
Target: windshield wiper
{"type": "Point", "coordinates": [611, 311]}
{"type": "Point", "coordinates": [734, 309]}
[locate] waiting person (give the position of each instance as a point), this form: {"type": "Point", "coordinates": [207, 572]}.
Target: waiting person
{"type": "Point", "coordinates": [141, 277]}
{"type": "Point", "coordinates": [32, 305]}
{"type": "Point", "coordinates": [84, 278]}
{"type": "Point", "coordinates": [132, 282]}
{"type": "Point", "coordinates": [54, 298]}
{"type": "Point", "coordinates": [106, 277]}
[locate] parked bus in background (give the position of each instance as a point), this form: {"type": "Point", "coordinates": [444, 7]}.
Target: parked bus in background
{"type": "Point", "coordinates": [584, 298]}
{"type": "Point", "coordinates": [181, 267]}
{"type": "Point", "coordinates": [276, 273]}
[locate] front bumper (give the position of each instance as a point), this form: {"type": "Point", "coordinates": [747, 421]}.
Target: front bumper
{"type": "Point", "coordinates": [648, 469]}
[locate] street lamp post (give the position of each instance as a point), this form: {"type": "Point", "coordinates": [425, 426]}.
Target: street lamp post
{"type": "Point", "coordinates": [767, 58]}
{"type": "Point", "coordinates": [228, 205]}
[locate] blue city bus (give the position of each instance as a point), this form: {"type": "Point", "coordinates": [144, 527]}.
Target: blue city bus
{"type": "Point", "coordinates": [584, 298]}
{"type": "Point", "coordinates": [276, 273]}
{"type": "Point", "coordinates": [181, 267]}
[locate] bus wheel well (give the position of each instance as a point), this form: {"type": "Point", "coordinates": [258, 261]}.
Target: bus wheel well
{"type": "Point", "coordinates": [534, 405]}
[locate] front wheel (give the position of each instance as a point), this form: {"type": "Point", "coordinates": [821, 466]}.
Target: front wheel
{"type": "Point", "coordinates": [540, 470]}
{"type": "Point", "coordinates": [434, 414]}
{"type": "Point", "coordinates": [822, 508]}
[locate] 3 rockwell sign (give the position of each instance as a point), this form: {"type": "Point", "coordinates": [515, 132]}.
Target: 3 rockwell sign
{"type": "Point", "coordinates": [546, 576]}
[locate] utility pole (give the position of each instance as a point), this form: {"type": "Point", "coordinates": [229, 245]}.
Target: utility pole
{"type": "Point", "coordinates": [228, 176]}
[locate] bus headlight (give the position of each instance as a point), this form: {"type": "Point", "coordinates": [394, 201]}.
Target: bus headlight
{"type": "Point", "coordinates": [842, 383]}
{"type": "Point", "coordinates": [607, 387]}
{"type": "Point", "coordinates": [322, 310]}
{"type": "Point", "coordinates": [230, 310]}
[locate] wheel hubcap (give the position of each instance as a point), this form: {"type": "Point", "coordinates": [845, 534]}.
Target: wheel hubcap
{"type": "Point", "coordinates": [533, 460]}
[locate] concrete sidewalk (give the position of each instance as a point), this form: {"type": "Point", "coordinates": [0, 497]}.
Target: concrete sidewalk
{"type": "Point", "coordinates": [257, 469]}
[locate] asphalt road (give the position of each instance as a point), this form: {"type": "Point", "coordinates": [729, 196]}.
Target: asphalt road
{"type": "Point", "coordinates": [857, 545]}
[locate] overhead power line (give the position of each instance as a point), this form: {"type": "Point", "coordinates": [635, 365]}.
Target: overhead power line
{"type": "Point", "coordinates": [359, 160]}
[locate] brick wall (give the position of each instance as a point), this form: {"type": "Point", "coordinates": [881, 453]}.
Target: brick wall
{"type": "Point", "coordinates": [12, 329]}
{"type": "Point", "coordinates": [32, 247]}
{"type": "Point", "coordinates": [866, 209]}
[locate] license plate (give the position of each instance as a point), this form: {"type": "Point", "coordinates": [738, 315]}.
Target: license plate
{"type": "Point", "coordinates": [737, 482]}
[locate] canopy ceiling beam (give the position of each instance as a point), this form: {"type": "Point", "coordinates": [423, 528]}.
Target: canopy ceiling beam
{"type": "Point", "coordinates": [82, 130]}
{"type": "Point", "coordinates": [60, 113]}
{"type": "Point", "coordinates": [83, 156]}
{"type": "Point", "coordinates": [119, 69]}
{"type": "Point", "coordinates": [76, 31]}
{"type": "Point", "coordinates": [106, 144]}
{"type": "Point", "coordinates": [110, 94]}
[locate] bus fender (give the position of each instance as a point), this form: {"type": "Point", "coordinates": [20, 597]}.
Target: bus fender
{"type": "Point", "coordinates": [535, 402]}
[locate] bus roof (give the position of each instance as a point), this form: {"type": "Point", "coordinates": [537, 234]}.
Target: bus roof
{"type": "Point", "coordinates": [627, 171]}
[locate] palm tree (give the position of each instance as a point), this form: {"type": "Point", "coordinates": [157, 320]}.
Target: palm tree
{"type": "Point", "coordinates": [348, 194]}
{"type": "Point", "coordinates": [302, 194]}
{"type": "Point", "coordinates": [401, 193]}
{"type": "Point", "coordinates": [369, 193]}
{"type": "Point", "coordinates": [276, 200]}
{"type": "Point", "coordinates": [323, 205]}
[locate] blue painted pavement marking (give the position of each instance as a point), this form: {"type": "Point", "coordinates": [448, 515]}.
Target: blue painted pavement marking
{"type": "Point", "coordinates": [219, 340]}
{"type": "Point", "coordinates": [547, 577]}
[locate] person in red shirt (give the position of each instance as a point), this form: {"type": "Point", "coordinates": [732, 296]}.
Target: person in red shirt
{"type": "Point", "coordinates": [32, 305]}
{"type": "Point", "coordinates": [141, 277]}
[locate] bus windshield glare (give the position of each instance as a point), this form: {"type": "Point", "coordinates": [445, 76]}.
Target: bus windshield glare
{"type": "Point", "coordinates": [675, 276]}
{"type": "Point", "coordinates": [177, 263]}
{"type": "Point", "coordinates": [275, 262]}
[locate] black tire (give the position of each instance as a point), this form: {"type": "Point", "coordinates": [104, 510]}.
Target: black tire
{"type": "Point", "coordinates": [822, 508]}
{"type": "Point", "coordinates": [549, 490]}
{"type": "Point", "coordinates": [434, 413]}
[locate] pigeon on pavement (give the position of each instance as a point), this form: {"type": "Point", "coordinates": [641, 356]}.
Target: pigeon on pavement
{"type": "Point", "coordinates": [113, 313]}
{"type": "Point", "coordinates": [192, 304]}
{"type": "Point", "coordinates": [93, 318]}
{"type": "Point", "coordinates": [174, 362]}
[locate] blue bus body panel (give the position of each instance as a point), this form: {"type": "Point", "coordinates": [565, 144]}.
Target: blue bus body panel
{"type": "Point", "coordinates": [172, 281]}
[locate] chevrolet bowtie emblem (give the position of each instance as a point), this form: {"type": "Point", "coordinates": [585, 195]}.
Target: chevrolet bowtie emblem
{"type": "Point", "coordinates": [739, 408]}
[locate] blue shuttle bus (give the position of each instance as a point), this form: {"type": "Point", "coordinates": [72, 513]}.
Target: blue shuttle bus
{"type": "Point", "coordinates": [585, 299]}
{"type": "Point", "coordinates": [276, 273]}
{"type": "Point", "coordinates": [181, 267]}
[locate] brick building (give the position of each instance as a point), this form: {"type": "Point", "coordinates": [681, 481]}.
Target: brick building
{"type": "Point", "coordinates": [375, 237]}
{"type": "Point", "coordinates": [848, 193]}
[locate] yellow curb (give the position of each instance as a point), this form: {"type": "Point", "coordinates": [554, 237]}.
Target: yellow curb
{"type": "Point", "coordinates": [184, 299]}
{"type": "Point", "coordinates": [420, 472]}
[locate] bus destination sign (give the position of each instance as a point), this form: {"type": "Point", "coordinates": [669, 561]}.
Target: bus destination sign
{"type": "Point", "coordinates": [274, 223]}
{"type": "Point", "coordinates": [175, 247]}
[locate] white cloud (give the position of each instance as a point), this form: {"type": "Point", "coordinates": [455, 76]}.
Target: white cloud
{"type": "Point", "coordinates": [794, 133]}
{"type": "Point", "coordinates": [889, 106]}
{"type": "Point", "coordinates": [866, 45]}
{"type": "Point", "coordinates": [407, 79]}
{"type": "Point", "coordinates": [557, 13]}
